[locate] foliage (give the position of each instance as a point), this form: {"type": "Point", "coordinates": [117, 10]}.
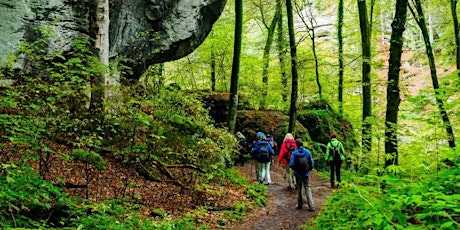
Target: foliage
{"type": "Point", "coordinates": [258, 192]}
{"type": "Point", "coordinates": [90, 157]}
{"type": "Point", "coordinates": [391, 202]}
{"type": "Point", "coordinates": [25, 197]}
{"type": "Point", "coordinates": [166, 131]}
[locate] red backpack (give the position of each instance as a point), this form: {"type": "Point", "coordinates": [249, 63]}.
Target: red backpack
{"type": "Point", "coordinates": [290, 146]}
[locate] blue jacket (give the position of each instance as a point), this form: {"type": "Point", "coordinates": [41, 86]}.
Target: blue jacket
{"type": "Point", "coordinates": [301, 151]}
{"type": "Point", "coordinates": [256, 147]}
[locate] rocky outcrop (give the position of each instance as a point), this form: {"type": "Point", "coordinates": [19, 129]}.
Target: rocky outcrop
{"type": "Point", "coordinates": [145, 32]}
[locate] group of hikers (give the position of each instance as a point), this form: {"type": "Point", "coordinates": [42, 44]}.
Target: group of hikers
{"type": "Point", "coordinates": [296, 159]}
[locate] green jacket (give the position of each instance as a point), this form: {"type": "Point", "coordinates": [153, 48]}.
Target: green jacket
{"type": "Point", "coordinates": [332, 144]}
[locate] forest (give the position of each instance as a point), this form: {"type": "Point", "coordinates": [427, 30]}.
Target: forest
{"type": "Point", "coordinates": [117, 115]}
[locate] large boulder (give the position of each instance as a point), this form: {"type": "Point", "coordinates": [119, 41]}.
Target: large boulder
{"type": "Point", "coordinates": [145, 32]}
{"type": "Point", "coordinates": [321, 121]}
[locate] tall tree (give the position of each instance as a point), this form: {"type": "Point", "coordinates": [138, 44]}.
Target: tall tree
{"type": "Point", "coordinates": [268, 45]}
{"type": "Point", "coordinates": [295, 78]}
{"type": "Point", "coordinates": [420, 19]}
{"type": "Point", "coordinates": [453, 10]}
{"type": "Point", "coordinates": [340, 44]}
{"type": "Point", "coordinates": [310, 24]}
{"type": "Point", "coordinates": [213, 71]}
{"type": "Point", "coordinates": [233, 105]}
{"type": "Point", "coordinates": [393, 92]}
{"type": "Point", "coordinates": [281, 51]}
{"type": "Point", "coordinates": [366, 78]}
{"type": "Point", "coordinates": [100, 23]}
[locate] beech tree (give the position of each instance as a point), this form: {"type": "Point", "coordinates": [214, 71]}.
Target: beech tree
{"type": "Point", "coordinates": [453, 10]}
{"type": "Point", "coordinates": [340, 44]}
{"type": "Point", "coordinates": [268, 45]}
{"type": "Point", "coordinates": [417, 11]}
{"type": "Point", "coordinates": [282, 51]}
{"type": "Point", "coordinates": [366, 79]}
{"type": "Point", "coordinates": [393, 92]}
{"type": "Point", "coordinates": [295, 78]}
{"type": "Point", "coordinates": [233, 105]}
{"type": "Point", "coordinates": [310, 24]}
{"type": "Point", "coordinates": [101, 21]}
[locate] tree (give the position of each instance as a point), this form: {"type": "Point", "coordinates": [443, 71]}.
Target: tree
{"type": "Point", "coordinates": [310, 26]}
{"type": "Point", "coordinates": [340, 44]}
{"type": "Point", "coordinates": [268, 44]}
{"type": "Point", "coordinates": [420, 19]}
{"type": "Point", "coordinates": [101, 21]}
{"type": "Point", "coordinates": [213, 71]}
{"type": "Point", "coordinates": [453, 10]}
{"type": "Point", "coordinates": [393, 92]}
{"type": "Point", "coordinates": [281, 51]}
{"type": "Point", "coordinates": [295, 78]}
{"type": "Point", "coordinates": [366, 79]}
{"type": "Point", "coordinates": [233, 105]}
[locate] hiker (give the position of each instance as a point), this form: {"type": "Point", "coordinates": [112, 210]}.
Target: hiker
{"type": "Point", "coordinates": [302, 163]}
{"type": "Point", "coordinates": [287, 147]}
{"type": "Point", "coordinates": [272, 142]}
{"type": "Point", "coordinates": [243, 148]}
{"type": "Point", "coordinates": [335, 154]}
{"type": "Point", "coordinates": [262, 152]}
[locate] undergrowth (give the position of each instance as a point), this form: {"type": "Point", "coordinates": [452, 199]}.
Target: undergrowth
{"type": "Point", "coordinates": [394, 202]}
{"type": "Point", "coordinates": [163, 133]}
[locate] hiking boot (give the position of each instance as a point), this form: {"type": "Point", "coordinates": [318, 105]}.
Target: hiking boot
{"type": "Point", "coordinates": [298, 207]}
{"type": "Point", "coordinates": [311, 210]}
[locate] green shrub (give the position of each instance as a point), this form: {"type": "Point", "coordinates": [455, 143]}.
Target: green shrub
{"type": "Point", "coordinates": [89, 157]}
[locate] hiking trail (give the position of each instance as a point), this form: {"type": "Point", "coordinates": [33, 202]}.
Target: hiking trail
{"type": "Point", "coordinates": [280, 212]}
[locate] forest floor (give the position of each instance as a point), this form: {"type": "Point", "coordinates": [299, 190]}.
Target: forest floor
{"type": "Point", "coordinates": [280, 212]}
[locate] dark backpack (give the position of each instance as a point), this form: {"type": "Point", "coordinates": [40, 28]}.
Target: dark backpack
{"type": "Point", "coordinates": [243, 146]}
{"type": "Point", "coordinates": [335, 153]}
{"type": "Point", "coordinates": [263, 155]}
{"type": "Point", "coordinates": [301, 164]}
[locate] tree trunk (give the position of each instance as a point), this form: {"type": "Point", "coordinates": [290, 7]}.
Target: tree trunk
{"type": "Point", "coordinates": [340, 39]}
{"type": "Point", "coordinates": [281, 53]}
{"type": "Point", "coordinates": [292, 46]}
{"type": "Point", "coordinates": [420, 19]}
{"type": "Point", "coordinates": [235, 67]}
{"type": "Point", "coordinates": [366, 80]}
{"type": "Point", "coordinates": [100, 24]}
{"type": "Point", "coordinates": [213, 71]}
{"type": "Point", "coordinates": [266, 57]}
{"type": "Point", "coordinates": [315, 56]}
{"type": "Point", "coordinates": [453, 10]}
{"type": "Point", "coordinates": [393, 96]}
{"type": "Point", "coordinates": [310, 26]}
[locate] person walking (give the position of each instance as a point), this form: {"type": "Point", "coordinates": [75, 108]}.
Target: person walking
{"type": "Point", "coordinates": [243, 148]}
{"type": "Point", "coordinates": [286, 149]}
{"type": "Point", "coordinates": [262, 152]}
{"type": "Point", "coordinates": [335, 154]}
{"type": "Point", "coordinates": [302, 163]}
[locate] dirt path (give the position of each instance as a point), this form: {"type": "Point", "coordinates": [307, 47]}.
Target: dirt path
{"type": "Point", "coordinates": [280, 212]}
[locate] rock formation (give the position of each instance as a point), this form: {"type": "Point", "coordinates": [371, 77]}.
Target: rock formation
{"type": "Point", "coordinates": [145, 32]}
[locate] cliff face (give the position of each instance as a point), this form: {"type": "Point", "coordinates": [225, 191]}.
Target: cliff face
{"type": "Point", "coordinates": [143, 31]}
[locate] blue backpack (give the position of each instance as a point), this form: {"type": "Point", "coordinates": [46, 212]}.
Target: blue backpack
{"type": "Point", "coordinates": [263, 155]}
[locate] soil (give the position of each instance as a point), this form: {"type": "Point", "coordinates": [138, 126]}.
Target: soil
{"type": "Point", "coordinates": [280, 212]}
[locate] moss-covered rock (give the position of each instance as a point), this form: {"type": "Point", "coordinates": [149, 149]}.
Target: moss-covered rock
{"type": "Point", "coordinates": [321, 121]}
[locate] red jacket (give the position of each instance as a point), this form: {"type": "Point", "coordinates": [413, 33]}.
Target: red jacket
{"type": "Point", "coordinates": [285, 155]}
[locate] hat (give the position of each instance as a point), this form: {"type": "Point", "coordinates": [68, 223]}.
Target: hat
{"type": "Point", "coordinates": [260, 135]}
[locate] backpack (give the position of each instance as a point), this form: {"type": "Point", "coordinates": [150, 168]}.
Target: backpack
{"type": "Point", "coordinates": [271, 141]}
{"type": "Point", "coordinates": [335, 153]}
{"type": "Point", "coordinates": [301, 164]}
{"type": "Point", "coordinates": [290, 147]}
{"type": "Point", "coordinates": [243, 146]}
{"type": "Point", "coordinates": [263, 155]}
